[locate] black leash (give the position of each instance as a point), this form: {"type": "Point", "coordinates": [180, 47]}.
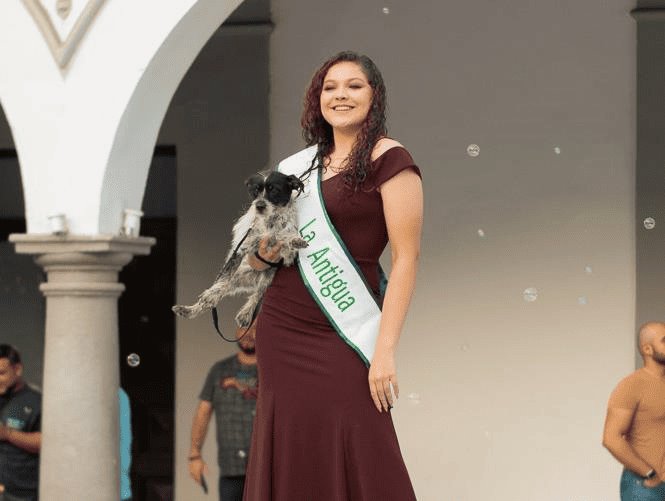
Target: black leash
{"type": "Point", "coordinates": [215, 317]}
{"type": "Point", "coordinates": [235, 252]}
{"type": "Point", "coordinates": [215, 322]}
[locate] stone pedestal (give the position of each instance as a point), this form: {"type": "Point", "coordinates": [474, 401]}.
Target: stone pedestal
{"type": "Point", "coordinates": [80, 444]}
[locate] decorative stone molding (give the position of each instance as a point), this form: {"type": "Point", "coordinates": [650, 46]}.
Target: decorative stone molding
{"type": "Point", "coordinates": [37, 243]}
{"type": "Point", "coordinates": [83, 274]}
{"type": "Point", "coordinates": [80, 265]}
{"type": "Point", "coordinates": [63, 8]}
{"type": "Point", "coordinates": [63, 50]}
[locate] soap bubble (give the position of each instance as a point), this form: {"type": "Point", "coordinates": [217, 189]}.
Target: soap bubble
{"type": "Point", "coordinates": [414, 398]}
{"type": "Point", "coordinates": [473, 150]}
{"type": "Point", "coordinates": [530, 294]}
{"type": "Point", "coordinates": [557, 150]}
{"type": "Point", "coordinates": [588, 270]}
{"type": "Point", "coordinates": [242, 454]}
{"type": "Point", "coordinates": [649, 223]}
{"type": "Point", "coordinates": [582, 300]}
{"type": "Point", "coordinates": [481, 233]}
{"type": "Point", "coordinates": [464, 347]}
{"type": "Point", "coordinates": [133, 360]}
{"type": "Point", "coordinates": [386, 10]}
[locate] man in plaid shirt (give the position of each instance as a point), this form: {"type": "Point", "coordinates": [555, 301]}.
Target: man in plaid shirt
{"type": "Point", "coordinates": [230, 392]}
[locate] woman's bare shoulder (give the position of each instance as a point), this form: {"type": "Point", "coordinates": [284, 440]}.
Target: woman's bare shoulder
{"type": "Point", "coordinates": [384, 144]}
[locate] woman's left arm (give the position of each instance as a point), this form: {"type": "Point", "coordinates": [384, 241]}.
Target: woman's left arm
{"type": "Point", "coordinates": [403, 210]}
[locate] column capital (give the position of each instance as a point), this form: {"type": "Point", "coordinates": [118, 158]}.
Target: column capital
{"type": "Point", "coordinates": [80, 265]}
{"type": "Point", "coordinates": [37, 243]}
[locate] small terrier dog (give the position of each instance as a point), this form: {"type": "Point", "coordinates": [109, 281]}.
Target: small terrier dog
{"type": "Point", "coordinates": [272, 214]}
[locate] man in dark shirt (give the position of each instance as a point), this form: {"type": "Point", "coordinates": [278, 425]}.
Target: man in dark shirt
{"type": "Point", "coordinates": [230, 392]}
{"type": "Point", "coordinates": [20, 435]}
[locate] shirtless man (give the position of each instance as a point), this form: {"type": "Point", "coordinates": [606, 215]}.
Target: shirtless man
{"type": "Point", "coordinates": [635, 424]}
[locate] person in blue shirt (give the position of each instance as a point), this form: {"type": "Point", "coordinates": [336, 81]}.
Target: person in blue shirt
{"type": "Point", "coordinates": [125, 445]}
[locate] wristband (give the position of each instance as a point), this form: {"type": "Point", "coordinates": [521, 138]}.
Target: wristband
{"type": "Point", "coordinates": [192, 458]}
{"type": "Point", "coordinates": [269, 263]}
{"type": "Point", "coordinates": [650, 474]}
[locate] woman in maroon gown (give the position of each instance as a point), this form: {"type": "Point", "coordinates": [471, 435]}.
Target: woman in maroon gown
{"type": "Point", "coordinates": [323, 429]}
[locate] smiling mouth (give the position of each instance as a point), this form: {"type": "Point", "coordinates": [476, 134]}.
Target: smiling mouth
{"type": "Point", "coordinates": [342, 108]}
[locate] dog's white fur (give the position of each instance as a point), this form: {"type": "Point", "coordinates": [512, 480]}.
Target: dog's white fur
{"type": "Point", "coordinates": [279, 224]}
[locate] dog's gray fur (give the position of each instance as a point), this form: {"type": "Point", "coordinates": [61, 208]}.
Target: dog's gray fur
{"type": "Point", "coordinates": [276, 222]}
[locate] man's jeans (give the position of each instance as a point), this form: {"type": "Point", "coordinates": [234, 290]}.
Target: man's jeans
{"type": "Point", "coordinates": [230, 488]}
{"type": "Point", "coordinates": [633, 489]}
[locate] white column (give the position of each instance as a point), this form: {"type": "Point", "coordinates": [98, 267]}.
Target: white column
{"type": "Point", "coordinates": [80, 443]}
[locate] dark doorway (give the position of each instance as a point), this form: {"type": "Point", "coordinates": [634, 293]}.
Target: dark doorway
{"type": "Point", "coordinates": [147, 329]}
{"type": "Point", "coordinates": [22, 306]}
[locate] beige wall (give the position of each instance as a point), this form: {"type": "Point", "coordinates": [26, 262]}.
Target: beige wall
{"type": "Point", "coordinates": [511, 393]}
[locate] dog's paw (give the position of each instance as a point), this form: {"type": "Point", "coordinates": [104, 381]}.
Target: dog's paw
{"type": "Point", "coordinates": [183, 311]}
{"type": "Point", "coordinates": [244, 318]}
{"type": "Point", "coordinates": [299, 243]}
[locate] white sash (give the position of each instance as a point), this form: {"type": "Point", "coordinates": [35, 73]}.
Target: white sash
{"type": "Point", "coordinates": [330, 273]}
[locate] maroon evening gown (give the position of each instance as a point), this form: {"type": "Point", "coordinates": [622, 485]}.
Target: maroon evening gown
{"type": "Point", "coordinates": [317, 434]}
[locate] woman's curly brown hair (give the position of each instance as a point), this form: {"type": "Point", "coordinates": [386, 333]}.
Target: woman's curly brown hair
{"type": "Point", "coordinates": [316, 130]}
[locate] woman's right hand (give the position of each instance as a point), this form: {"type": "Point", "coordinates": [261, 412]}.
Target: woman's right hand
{"type": "Point", "coordinates": [269, 253]}
{"type": "Point", "coordinates": [196, 468]}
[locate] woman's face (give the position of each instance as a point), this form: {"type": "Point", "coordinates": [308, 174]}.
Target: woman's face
{"type": "Point", "coordinates": [346, 97]}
